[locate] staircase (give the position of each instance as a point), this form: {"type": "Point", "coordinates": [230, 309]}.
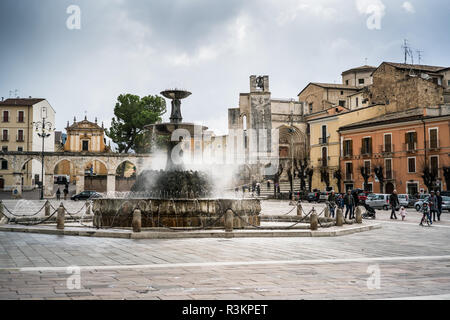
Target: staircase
{"type": "Point", "coordinates": [285, 187]}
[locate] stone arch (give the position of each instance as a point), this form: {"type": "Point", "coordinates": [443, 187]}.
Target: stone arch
{"type": "Point", "coordinates": [125, 175]}
{"type": "Point", "coordinates": [292, 137]}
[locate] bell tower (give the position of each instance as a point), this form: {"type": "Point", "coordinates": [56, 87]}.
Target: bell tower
{"type": "Point", "coordinates": [259, 84]}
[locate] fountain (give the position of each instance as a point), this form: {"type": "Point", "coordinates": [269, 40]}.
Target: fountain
{"type": "Point", "coordinates": [175, 197]}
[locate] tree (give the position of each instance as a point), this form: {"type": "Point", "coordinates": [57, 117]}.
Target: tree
{"type": "Point", "coordinates": [379, 173]}
{"type": "Point", "coordinates": [447, 177]}
{"type": "Point", "coordinates": [325, 176]}
{"type": "Point", "coordinates": [132, 114]}
{"type": "Point", "coordinates": [338, 176]}
{"type": "Point", "coordinates": [310, 174]}
{"type": "Point", "coordinates": [366, 176]}
{"type": "Point", "coordinates": [429, 177]}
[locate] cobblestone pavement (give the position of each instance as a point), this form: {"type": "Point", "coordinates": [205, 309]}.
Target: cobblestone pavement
{"type": "Point", "coordinates": [412, 262]}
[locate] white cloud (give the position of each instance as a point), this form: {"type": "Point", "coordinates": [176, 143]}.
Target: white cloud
{"type": "Point", "coordinates": [299, 8]}
{"type": "Point", "coordinates": [408, 6]}
{"type": "Point", "coordinates": [376, 11]}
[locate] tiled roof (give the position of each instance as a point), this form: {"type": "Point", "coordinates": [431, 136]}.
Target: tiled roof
{"type": "Point", "coordinates": [418, 67]}
{"type": "Point", "coordinates": [359, 69]}
{"type": "Point", "coordinates": [20, 102]}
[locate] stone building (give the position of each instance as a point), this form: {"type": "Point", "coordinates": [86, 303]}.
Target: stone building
{"type": "Point", "coordinates": [19, 134]}
{"type": "Point", "coordinates": [283, 119]}
{"type": "Point", "coordinates": [406, 86]}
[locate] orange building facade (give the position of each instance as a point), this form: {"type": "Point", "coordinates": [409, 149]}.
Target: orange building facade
{"type": "Point", "coordinates": [402, 145]}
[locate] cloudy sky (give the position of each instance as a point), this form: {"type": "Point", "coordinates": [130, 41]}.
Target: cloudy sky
{"type": "Point", "coordinates": [209, 47]}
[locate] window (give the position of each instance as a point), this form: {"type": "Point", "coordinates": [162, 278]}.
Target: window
{"type": "Point", "coordinates": [388, 166]}
{"type": "Point", "coordinates": [357, 102]}
{"type": "Point", "coordinates": [310, 108]}
{"type": "Point", "coordinates": [5, 148]}
{"type": "Point", "coordinates": [85, 145]}
{"type": "Point", "coordinates": [412, 188]}
{"type": "Point", "coordinates": [342, 93]}
{"type": "Point", "coordinates": [21, 116]}
{"type": "Point", "coordinates": [434, 138]}
{"type": "Point", "coordinates": [342, 103]}
{"type": "Point", "coordinates": [5, 116]}
{"type": "Point", "coordinates": [411, 165]}
{"type": "Point", "coordinates": [366, 146]}
{"type": "Point", "coordinates": [324, 157]}
{"type": "Point", "coordinates": [434, 165]}
{"type": "Point", "coordinates": [388, 143]}
{"type": "Point", "coordinates": [348, 148]}
{"type": "Point", "coordinates": [411, 141]}
{"type": "Point", "coordinates": [5, 135]}
{"type": "Point", "coordinates": [4, 165]}
{"type": "Point", "coordinates": [349, 171]}
{"type": "Point", "coordinates": [324, 135]}
{"type": "Point", "coordinates": [367, 167]}
{"type": "Point", "coordinates": [346, 82]}
{"type": "Point", "coordinates": [20, 136]}
{"type": "Point", "coordinates": [19, 149]}
{"type": "Point", "coordinates": [361, 81]}
{"type": "Point", "coordinates": [448, 82]}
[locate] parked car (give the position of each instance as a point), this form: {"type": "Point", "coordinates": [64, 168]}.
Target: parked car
{"type": "Point", "coordinates": [312, 196]}
{"type": "Point", "coordinates": [403, 199]}
{"type": "Point", "coordinates": [378, 201]}
{"type": "Point", "coordinates": [362, 197]}
{"type": "Point", "coordinates": [412, 201]}
{"type": "Point", "coordinates": [323, 197]}
{"type": "Point", "coordinates": [86, 195]}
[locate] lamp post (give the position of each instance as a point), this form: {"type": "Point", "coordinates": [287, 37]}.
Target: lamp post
{"type": "Point", "coordinates": [43, 129]}
{"type": "Point", "coordinates": [292, 130]}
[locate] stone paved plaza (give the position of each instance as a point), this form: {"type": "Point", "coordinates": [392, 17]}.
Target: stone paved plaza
{"type": "Point", "coordinates": [413, 262]}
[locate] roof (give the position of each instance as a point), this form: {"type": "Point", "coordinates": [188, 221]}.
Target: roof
{"type": "Point", "coordinates": [417, 67]}
{"type": "Point", "coordinates": [359, 69]}
{"type": "Point", "coordinates": [403, 116]}
{"type": "Point", "coordinates": [84, 125]}
{"type": "Point", "coordinates": [331, 86]}
{"type": "Point", "coordinates": [21, 102]}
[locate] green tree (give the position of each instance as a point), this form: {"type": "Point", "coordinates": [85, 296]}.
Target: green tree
{"type": "Point", "coordinates": [132, 114]}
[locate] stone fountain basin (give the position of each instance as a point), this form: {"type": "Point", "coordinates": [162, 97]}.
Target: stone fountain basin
{"type": "Point", "coordinates": [182, 213]}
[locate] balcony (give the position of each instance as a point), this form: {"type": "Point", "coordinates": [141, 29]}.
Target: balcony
{"type": "Point", "coordinates": [348, 155]}
{"type": "Point", "coordinates": [366, 153]}
{"type": "Point", "coordinates": [390, 175]}
{"type": "Point", "coordinates": [410, 147]}
{"type": "Point", "coordinates": [433, 145]}
{"type": "Point", "coordinates": [348, 177]}
{"type": "Point", "coordinates": [324, 140]}
{"type": "Point", "coordinates": [5, 138]}
{"type": "Point", "coordinates": [386, 149]}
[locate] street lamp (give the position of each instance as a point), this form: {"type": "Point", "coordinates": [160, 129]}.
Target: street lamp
{"type": "Point", "coordinates": [43, 129]}
{"type": "Point", "coordinates": [292, 131]}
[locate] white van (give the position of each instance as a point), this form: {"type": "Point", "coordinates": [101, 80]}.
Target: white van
{"type": "Point", "coordinates": [378, 201]}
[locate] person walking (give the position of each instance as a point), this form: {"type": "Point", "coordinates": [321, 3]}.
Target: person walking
{"type": "Point", "coordinates": [258, 189]}
{"type": "Point", "coordinates": [349, 202]}
{"type": "Point", "coordinates": [433, 205]}
{"type": "Point", "coordinates": [332, 202]}
{"type": "Point", "coordinates": [268, 184]}
{"type": "Point", "coordinates": [439, 204]}
{"type": "Point", "coordinates": [66, 192]}
{"type": "Point", "coordinates": [58, 194]}
{"type": "Point", "coordinates": [393, 201]}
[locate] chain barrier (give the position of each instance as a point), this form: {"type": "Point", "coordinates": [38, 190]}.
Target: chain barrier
{"type": "Point", "coordinates": [22, 216]}
{"type": "Point", "coordinates": [34, 224]}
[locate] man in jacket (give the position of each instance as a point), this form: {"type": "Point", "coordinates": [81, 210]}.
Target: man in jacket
{"type": "Point", "coordinates": [439, 203]}
{"type": "Point", "coordinates": [433, 201]}
{"type": "Point", "coordinates": [332, 202]}
{"type": "Point", "coordinates": [393, 201]}
{"type": "Point", "coordinates": [349, 202]}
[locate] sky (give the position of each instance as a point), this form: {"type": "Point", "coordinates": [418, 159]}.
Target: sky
{"type": "Point", "coordinates": [81, 54]}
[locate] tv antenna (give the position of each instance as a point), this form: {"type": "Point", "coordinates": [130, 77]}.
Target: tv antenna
{"type": "Point", "coordinates": [407, 51]}
{"type": "Point", "coordinates": [419, 54]}
{"type": "Point", "coordinates": [14, 93]}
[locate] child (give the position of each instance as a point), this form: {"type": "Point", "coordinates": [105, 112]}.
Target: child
{"type": "Point", "coordinates": [403, 213]}
{"type": "Point", "coordinates": [426, 214]}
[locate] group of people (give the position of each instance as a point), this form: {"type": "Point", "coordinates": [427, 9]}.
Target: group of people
{"type": "Point", "coordinates": [255, 188]}
{"type": "Point", "coordinates": [432, 209]}
{"type": "Point", "coordinates": [348, 201]}
{"type": "Point", "coordinates": [65, 191]}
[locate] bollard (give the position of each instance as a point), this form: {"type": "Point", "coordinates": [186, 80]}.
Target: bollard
{"type": "Point", "coordinates": [229, 221]}
{"type": "Point", "coordinates": [327, 211]}
{"type": "Point", "coordinates": [3, 218]}
{"type": "Point", "coordinates": [47, 208]}
{"type": "Point", "coordinates": [299, 210]}
{"type": "Point", "coordinates": [137, 223]}
{"type": "Point", "coordinates": [88, 208]}
{"type": "Point", "coordinates": [60, 218]}
{"type": "Point", "coordinates": [97, 220]}
{"type": "Point", "coordinates": [358, 215]}
{"type": "Point", "coordinates": [339, 217]}
{"type": "Point", "coordinates": [314, 221]}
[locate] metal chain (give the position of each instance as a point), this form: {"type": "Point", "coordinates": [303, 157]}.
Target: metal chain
{"type": "Point", "coordinates": [40, 222]}
{"type": "Point", "coordinates": [22, 216]}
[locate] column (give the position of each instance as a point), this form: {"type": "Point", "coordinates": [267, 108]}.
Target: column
{"type": "Point", "coordinates": [111, 183]}
{"type": "Point", "coordinates": [17, 186]}
{"type": "Point", "coordinates": [80, 183]}
{"type": "Point", "coordinates": [48, 186]}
